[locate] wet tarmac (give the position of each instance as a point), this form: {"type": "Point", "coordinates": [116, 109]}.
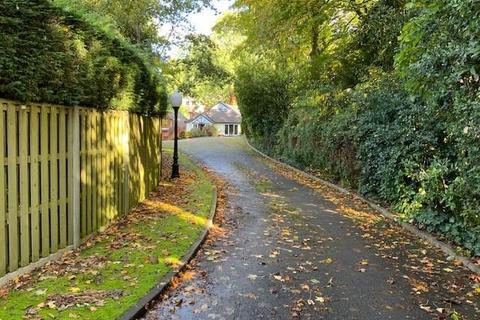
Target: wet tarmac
{"type": "Point", "coordinates": [289, 253]}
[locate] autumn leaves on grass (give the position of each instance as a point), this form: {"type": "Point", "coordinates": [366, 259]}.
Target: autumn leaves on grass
{"type": "Point", "coordinates": [112, 270]}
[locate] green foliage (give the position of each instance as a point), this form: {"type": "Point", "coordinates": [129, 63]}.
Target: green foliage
{"type": "Point", "coordinates": [140, 20]}
{"type": "Point", "coordinates": [206, 131]}
{"type": "Point", "coordinates": [263, 100]}
{"type": "Point", "coordinates": [379, 141]}
{"type": "Point", "coordinates": [199, 74]}
{"type": "Point", "coordinates": [51, 55]}
{"type": "Point", "coordinates": [309, 139]}
{"type": "Point", "coordinates": [439, 54]}
{"type": "Point", "coordinates": [381, 96]}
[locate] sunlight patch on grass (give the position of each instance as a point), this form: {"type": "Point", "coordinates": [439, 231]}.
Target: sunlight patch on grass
{"type": "Point", "coordinates": [124, 262]}
{"type": "Point", "coordinates": [180, 212]}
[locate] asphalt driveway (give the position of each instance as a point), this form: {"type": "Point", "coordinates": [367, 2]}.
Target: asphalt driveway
{"type": "Point", "coordinates": [289, 251]}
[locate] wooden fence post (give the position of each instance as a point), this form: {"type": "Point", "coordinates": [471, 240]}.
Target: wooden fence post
{"type": "Point", "coordinates": [126, 162]}
{"type": "Point", "coordinates": [3, 188]}
{"type": "Point", "coordinates": [74, 148]}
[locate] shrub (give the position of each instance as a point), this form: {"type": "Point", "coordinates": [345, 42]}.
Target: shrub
{"type": "Point", "coordinates": [406, 134]}
{"type": "Point", "coordinates": [50, 55]}
{"type": "Point", "coordinates": [317, 139]}
{"type": "Point", "coordinates": [391, 148]}
{"type": "Point", "coordinates": [211, 131]}
{"type": "Point", "coordinates": [262, 94]}
{"type": "Point", "coordinates": [206, 131]}
{"type": "Point", "coordinates": [196, 132]}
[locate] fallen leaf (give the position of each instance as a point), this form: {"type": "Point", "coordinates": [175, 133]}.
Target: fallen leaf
{"type": "Point", "coordinates": [279, 278]}
{"type": "Point", "coordinates": [305, 287]}
{"type": "Point", "coordinates": [426, 308]}
{"type": "Point", "coordinates": [252, 277]}
{"type": "Point", "coordinates": [320, 299]}
{"type": "Point", "coordinates": [40, 292]}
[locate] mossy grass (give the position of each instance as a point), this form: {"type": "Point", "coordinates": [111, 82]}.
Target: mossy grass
{"type": "Point", "coordinates": [120, 265]}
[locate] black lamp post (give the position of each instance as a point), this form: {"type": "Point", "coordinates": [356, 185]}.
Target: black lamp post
{"type": "Point", "coordinates": [176, 101]}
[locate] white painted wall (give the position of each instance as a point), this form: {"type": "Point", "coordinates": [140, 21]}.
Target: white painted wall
{"type": "Point", "coordinates": [221, 129]}
{"type": "Point", "coordinates": [198, 120]}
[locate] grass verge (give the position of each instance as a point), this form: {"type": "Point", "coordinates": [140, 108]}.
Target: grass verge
{"type": "Point", "coordinates": [112, 270]}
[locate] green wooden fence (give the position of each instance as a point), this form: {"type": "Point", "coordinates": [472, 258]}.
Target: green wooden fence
{"type": "Point", "coordinates": [119, 164]}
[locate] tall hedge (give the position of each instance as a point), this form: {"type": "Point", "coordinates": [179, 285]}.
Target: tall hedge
{"type": "Point", "coordinates": [50, 55]}
{"type": "Point", "coordinates": [263, 101]}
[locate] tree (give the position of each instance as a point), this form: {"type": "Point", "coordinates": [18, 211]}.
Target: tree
{"type": "Point", "coordinates": [199, 73]}
{"type": "Point", "coordinates": [141, 20]}
{"type": "Point", "coordinates": [383, 96]}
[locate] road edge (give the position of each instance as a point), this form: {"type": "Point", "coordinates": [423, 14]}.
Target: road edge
{"type": "Point", "coordinates": [446, 248]}
{"type": "Point", "coordinates": [141, 306]}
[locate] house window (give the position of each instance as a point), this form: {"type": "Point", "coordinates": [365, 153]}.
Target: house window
{"type": "Point", "coordinates": [231, 129]}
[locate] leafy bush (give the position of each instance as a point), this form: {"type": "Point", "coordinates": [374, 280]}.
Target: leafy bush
{"type": "Point", "coordinates": [211, 130]}
{"type": "Point", "coordinates": [317, 139]}
{"type": "Point", "coordinates": [262, 94]}
{"type": "Point", "coordinates": [206, 131]}
{"type": "Point", "coordinates": [439, 50]}
{"type": "Point", "coordinates": [391, 148]}
{"type": "Point", "coordinates": [396, 118]}
{"type": "Point", "coordinates": [440, 62]}
{"type": "Point", "coordinates": [51, 55]}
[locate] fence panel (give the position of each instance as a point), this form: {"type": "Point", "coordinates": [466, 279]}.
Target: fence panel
{"type": "Point", "coordinates": [119, 159]}
{"type": "Point", "coordinates": [144, 166]}
{"type": "Point", "coordinates": [12, 192]}
{"type": "Point", "coordinates": [33, 183]}
{"type": "Point", "coordinates": [3, 191]}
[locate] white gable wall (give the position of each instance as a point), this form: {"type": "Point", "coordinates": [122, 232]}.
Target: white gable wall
{"type": "Point", "coordinates": [199, 120]}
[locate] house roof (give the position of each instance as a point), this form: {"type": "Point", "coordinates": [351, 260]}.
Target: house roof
{"type": "Point", "coordinates": [223, 113]}
{"type": "Point", "coordinates": [220, 113]}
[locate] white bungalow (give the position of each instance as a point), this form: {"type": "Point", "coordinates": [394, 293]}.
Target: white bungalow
{"type": "Point", "coordinates": [222, 116]}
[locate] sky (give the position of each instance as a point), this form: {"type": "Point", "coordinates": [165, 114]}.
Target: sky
{"type": "Point", "coordinates": [205, 20]}
{"type": "Point", "coordinates": [202, 22]}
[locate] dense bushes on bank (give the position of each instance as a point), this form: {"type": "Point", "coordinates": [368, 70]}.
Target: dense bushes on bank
{"type": "Point", "coordinates": [391, 149]}
{"type": "Point", "coordinates": [407, 136]}
{"type": "Point", "coordinates": [50, 55]}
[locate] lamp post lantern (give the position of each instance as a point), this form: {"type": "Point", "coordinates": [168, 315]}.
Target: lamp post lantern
{"type": "Point", "coordinates": [176, 101]}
